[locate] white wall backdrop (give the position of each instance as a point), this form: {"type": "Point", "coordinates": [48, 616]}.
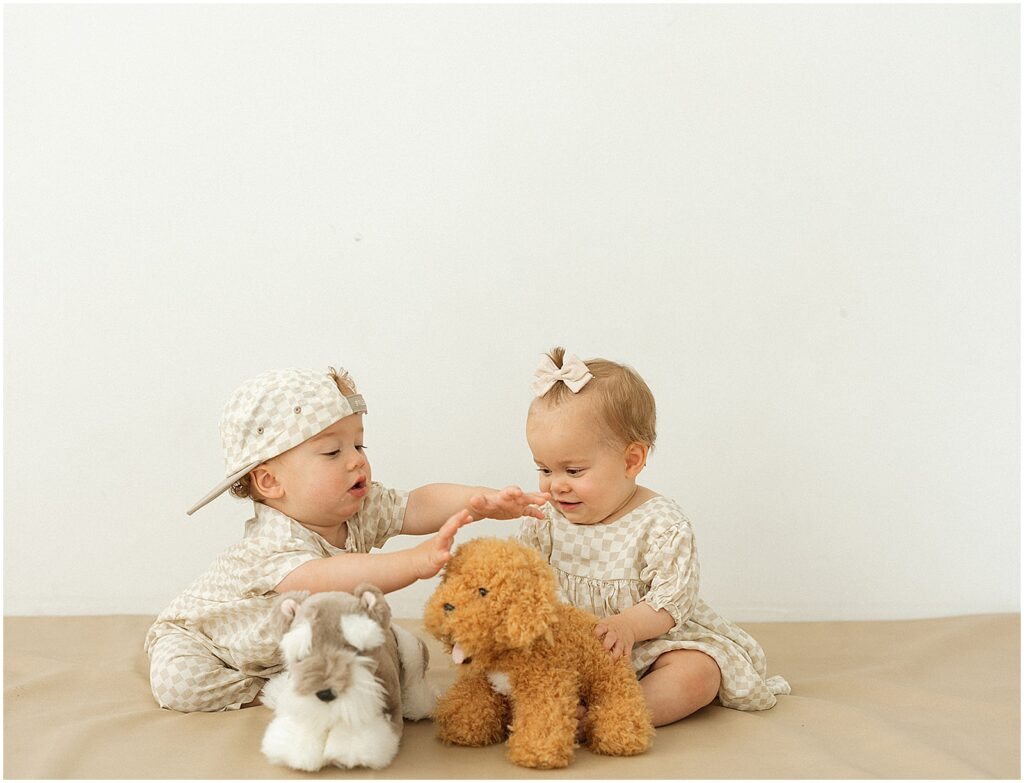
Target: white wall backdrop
{"type": "Point", "coordinates": [799, 223]}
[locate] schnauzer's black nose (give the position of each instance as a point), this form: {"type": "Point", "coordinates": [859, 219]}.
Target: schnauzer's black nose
{"type": "Point", "coordinates": [449, 608]}
{"type": "Point", "coordinates": [326, 695]}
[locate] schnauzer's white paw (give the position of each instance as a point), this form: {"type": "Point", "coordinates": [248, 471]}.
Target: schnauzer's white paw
{"type": "Point", "coordinates": [372, 745]}
{"type": "Point", "coordinates": [292, 745]}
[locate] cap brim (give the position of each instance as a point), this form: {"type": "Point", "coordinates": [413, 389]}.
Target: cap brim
{"type": "Point", "coordinates": [222, 487]}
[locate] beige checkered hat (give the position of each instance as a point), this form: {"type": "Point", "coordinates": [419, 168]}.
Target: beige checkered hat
{"type": "Point", "coordinates": [276, 411]}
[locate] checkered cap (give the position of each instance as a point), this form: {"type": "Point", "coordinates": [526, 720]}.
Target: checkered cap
{"type": "Point", "coordinates": [276, 411]}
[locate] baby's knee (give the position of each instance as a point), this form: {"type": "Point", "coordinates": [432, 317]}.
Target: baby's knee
{"type": "Point", "coordinates": [181, 697]}
{"type": "Point", "coordinates": [170, 689]}
{"type": "Point", "coordinates": [186, 680]}
{"type": "Point", "coordinates": [697, 674]}
{"type": "Point", "coordinates": [169, 700]}
{"type": "Point", "coordinates": [705, 676]}
{"type": "Point", "coordinates": [710, 678]}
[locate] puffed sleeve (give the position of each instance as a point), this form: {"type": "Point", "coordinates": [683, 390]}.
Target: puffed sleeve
{"type": "Point", "coordinates": [380, 517]}
{"type": "Point", "coordinates": [536, 533]}
{"type": "Point", "coordinates": [672, 571]}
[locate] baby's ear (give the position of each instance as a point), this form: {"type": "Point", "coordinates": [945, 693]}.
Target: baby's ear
{"type": "Point", "coordinates": [265, 482]}
{"type": "Point", "coordinates": [286, 606]}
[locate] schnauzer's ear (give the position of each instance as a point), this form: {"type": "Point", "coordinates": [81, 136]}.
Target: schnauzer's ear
{"type": "Point", "coordinates": [371, 598]}
{"type": "Point", "coordinates": [361, 632]}
{"type": "Point", "coordinates": [286, 606]}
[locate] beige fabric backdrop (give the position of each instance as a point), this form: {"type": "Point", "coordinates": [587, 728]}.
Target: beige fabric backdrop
{"type": "Point", "coordinates": [925, 699]}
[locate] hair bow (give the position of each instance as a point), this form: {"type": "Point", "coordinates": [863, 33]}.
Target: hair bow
{"type": "Point", "coordinates": [573, 373]}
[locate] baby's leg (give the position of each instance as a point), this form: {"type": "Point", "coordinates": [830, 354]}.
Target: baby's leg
{"type": "Point", "coordinates": [186, 677]}
{"type": "Point", "coordinates": [679, 683]}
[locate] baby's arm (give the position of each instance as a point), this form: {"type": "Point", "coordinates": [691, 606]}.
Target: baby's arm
{"type": "Point", "coordinates": [670, 567]}
{"type": "Point", "coordinates": [389, 571]}
{"type": "Point", "coordinates": [639, 623]}
{"type": "Point", "coordinates": [430, 505]}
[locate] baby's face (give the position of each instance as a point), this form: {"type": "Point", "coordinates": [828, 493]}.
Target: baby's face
{"type": "Point", "coordinates": [588, 478]}
{"type": "Point", "coordinates": [325, 478]}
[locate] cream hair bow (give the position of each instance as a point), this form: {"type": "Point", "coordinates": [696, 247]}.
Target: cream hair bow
{"type": "Point", "coordinates": [573, 373]}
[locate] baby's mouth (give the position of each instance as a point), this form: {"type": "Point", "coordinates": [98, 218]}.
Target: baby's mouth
{"type": "Point", "coordinates": [359, 486]}
{"type": "Point", "coordinates": [569, 506]}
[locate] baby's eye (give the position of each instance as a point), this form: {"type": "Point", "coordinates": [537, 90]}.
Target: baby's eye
{"type": "Point", "coordinates": [574, 471]}
{"type": "Point", "coordinates": [334, 453]}
{"type": "Point", "coordinates": [360, 447]}
{"type": "Point", "coordinates": [543, 471]}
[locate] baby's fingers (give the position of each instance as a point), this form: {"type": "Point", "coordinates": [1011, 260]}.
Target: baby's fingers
{"type": "Point", "coordinates": [526, 504]}
{"type": "Point", "coordinates": [446, 535]}
{"type": "Point", "coordinates": [610, 640]}
{"type": "Point", "coordinates": [536, 499]}
{"type": "Point", "coordinates": [600, 630]}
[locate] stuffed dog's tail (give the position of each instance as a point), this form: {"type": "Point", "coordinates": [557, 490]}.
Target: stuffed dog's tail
{"type": "Point", "coordinates": [418, 697]}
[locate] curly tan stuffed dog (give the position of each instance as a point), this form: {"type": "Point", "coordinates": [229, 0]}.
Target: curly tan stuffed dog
{"type": "Point", "coordinates": [529, 660]}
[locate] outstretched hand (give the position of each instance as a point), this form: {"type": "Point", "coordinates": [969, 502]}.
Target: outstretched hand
{"type": "Point", "coordinates": [509, 503]}
{"type": "Point", "coordinates": [437, 550]}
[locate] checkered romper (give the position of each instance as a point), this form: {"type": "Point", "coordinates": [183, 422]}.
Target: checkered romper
{"type": "Point", "coordinates": [649, 555]}
{"type": "Point", "coordinates": [211, 649]}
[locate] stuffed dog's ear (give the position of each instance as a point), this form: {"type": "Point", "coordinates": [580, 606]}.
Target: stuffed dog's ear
{"type": "Point", "coordinates": [372, 600]}
{"type": "Point", "coordinates": [526, 621]}
{"type": "Point", "coordinates": [529, 606]}
{"type": "Point", "coordinates": [295, 644]}
{"type": "Point", "coordinates": [361, 632]}
{"type": "Point", "coordinates": [286, 606]}
{"type": "Point", "coordinates": [364, 626]}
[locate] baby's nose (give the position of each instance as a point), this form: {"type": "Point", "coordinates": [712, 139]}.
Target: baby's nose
{"type": "Point", "coordinates": [326, 695]}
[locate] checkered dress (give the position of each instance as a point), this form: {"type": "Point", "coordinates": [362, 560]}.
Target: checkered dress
{"type": "Point", "coordinates": [211, 649]}
{"type": "Point", "coordinates": [649, 555]}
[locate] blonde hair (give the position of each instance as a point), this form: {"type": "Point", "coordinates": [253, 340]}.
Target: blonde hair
{"type": "Point", "coordinates": [620, 398]}
{"type": "Point", "coordinates": [243, 488]}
